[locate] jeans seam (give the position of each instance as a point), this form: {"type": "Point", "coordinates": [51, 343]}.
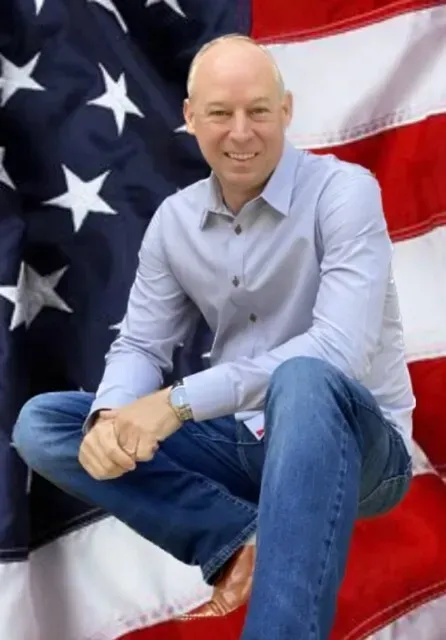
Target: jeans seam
{"type": "Point", "coordinates": [377, 414]}
{"type": "Point", "coordinates": [226, 552]}
{"type": "Point", "coordinates": [224, 493]}
{"type": "Point", "coordinates": [204, 436]}
{"type": "Point", "coordinates": [218, 559]}
{"type": "Point", "coordinates": [244, 462]}
{"type": "Point", "coordinates": [241, 451]}
{"type": "Point", "coordinates": [388, 425]}
{"type": "Point", "coordinates": [328, 542]}
{"type": "Point", "coordinates": [201, 436]}
{"type": "Point", "coordinates": [401, 476]}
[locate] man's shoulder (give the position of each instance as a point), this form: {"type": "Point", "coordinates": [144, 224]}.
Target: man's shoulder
{"type": "Point", "coordinates": [328, 184]}
{"type": "Point", "coordinates": [326, 170]}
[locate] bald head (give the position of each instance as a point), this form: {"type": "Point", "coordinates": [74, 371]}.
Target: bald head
{"type": "Point", "coordinates": [229, 53]}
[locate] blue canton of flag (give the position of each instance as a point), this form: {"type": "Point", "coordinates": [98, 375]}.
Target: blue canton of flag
{"type": "Point", "coordinates": [91, 142]}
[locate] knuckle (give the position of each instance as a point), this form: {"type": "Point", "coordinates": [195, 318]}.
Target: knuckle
{"type": "Point", "coordinates": [109, 466]}
{"type": "Point", "coordinates": [107, 448]}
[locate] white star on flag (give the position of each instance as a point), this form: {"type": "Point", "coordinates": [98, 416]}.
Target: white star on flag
{"type": "Point", "coordinates": [4, 177]}
{"type": "Point", "coordinates": [109, 5]}
{"type": "Point", "coordinates": [13, 78]}
{"type": "Point", "coordinates": [32, 293]}
{"type": "Point", "coordinates": [173, 4]}
{"type": "Point", "coordinates": [82, 197]}
{"type": "Point", "coordinates": [116, 99]}
{"type": "Point", "coordinates": [39, 5]}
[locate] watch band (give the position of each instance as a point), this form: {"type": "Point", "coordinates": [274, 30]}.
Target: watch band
{"type": "Point", "coordinates": [179, 402]}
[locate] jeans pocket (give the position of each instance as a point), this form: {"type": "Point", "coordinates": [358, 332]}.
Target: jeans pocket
{"type": "Point", "coordinates": [221, 430]}
{"type": "Point", "coordinates": [251, 453]}
{"type": "Point", "coordinates": [387, 495]}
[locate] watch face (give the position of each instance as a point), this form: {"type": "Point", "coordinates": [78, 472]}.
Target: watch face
{"type": "Point", "coordinates": [177, 397]}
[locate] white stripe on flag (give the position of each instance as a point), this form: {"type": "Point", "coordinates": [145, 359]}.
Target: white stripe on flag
{"type": "Point", "coordinates": [97, 583]}
{"type": "Point", "coordinates": [420, 275]}
{"type": "Point", "coordinates": [351, 85]}
{"type": "Point", "coordinates": [17, 619]}
{"type": "Point", "coordinates": [426, 622]}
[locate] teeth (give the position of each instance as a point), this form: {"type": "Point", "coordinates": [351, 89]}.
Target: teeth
{"type": "Point", "coordinates": [241, 156]}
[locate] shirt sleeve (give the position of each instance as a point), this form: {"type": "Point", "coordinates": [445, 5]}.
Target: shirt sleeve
{"type": "Point", "coordinates": [348, 312]}
{"type": "Point", "coordinates": [159, 315]}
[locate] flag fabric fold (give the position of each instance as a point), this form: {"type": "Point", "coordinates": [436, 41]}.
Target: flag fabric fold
{"type": "Point", "coordinates": [92, 139]}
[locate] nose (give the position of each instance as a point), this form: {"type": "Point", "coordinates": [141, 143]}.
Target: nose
{"type": "Point", "coordinates": [240, 127]}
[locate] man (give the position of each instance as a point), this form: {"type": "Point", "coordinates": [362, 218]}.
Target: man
{"type": "Point", "coordinates": [303, 422]}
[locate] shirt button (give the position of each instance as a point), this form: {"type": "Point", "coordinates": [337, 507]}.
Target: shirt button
{"type": "Point", "coordinates": [238, 229]}
{"type": "Point", "coordinates": [235, 281]}
{"type": "Point", "coordinates": [253, 317]}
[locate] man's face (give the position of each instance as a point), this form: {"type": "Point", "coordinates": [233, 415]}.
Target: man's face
{"type": "Point", "coordinates": [239, 116]}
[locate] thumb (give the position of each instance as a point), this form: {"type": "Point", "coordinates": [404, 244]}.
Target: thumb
{"type": "Point", "coordinates": [128, 441]}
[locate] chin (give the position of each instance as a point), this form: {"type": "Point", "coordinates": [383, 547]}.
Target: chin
{"type": "Point", "coordinates": [246, 181]}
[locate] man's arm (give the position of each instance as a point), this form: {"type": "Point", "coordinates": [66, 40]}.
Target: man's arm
{"type": "Point", "coordinates": [348, 313]}
{"type": "Point", "coordinates": [159, 314]}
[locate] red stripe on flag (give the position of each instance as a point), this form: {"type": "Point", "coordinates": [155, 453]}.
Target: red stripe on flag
{"type": "Point", "coordinates": [284, 21]}
{"type": "Point", "coordinates": [410, 165]}
{"type": "Point", "coordinates": [429, 381]}
{"type": "Point", "coordinates": [408, 543]}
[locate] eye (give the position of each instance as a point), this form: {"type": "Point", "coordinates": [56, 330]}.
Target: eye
{"type": "Point", "coordinates": [218, 113]}
{"type": "Point", "coordinates": [259, 110]}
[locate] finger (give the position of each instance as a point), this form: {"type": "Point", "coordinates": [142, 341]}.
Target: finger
{"type": "Point", "coordinates": [98, 472]}
{"type": "Point", "coordinates": [146, 449]}
{"type": "Point", "coordinates": [95, 468]}
{"type": "Point", "coordinates": [101, 446]}
{"type": "Point", "coordinates": [128, 440]}
{"type": "Point", "coordinates": [120, 458]}
{"type": "Point", "coordinates": [111, 451]}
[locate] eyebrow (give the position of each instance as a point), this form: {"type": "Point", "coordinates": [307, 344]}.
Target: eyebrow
{"type": "Point", "coordinates": [211, 105]}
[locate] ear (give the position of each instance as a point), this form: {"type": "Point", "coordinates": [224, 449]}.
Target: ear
{"type": "Point", "coordinates": [189, 116]}
{"type": "Point", "coordinates": [287, 108]}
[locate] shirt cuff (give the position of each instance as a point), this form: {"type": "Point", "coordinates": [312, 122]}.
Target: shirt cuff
{"type": "Point", "coordinates": [210, 393]}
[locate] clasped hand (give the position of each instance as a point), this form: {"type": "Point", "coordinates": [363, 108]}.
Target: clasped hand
{"type": "Point", "coordinates": [122, 437]}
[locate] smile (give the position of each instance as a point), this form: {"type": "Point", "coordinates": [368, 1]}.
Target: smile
{"type": "Point", "coordinates": [241, 157]}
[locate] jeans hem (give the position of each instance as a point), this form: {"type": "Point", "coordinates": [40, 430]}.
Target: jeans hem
{"type": "Point", "coordinates": [219, 559]}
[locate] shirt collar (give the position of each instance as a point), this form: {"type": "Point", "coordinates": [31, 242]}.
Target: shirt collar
{"type": "Point", "coordinates": [277, 192]}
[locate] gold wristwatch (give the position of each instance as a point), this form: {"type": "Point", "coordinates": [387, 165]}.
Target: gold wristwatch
{"type": "Point", "coordinates": [179, 402]}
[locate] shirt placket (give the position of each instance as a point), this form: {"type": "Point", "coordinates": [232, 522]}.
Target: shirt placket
{"type": "Point", "coordinates": [247, 317]}
{"type": "Point", "coordinates": [235, 264]}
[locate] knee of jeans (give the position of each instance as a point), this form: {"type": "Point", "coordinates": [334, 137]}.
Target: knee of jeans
{"type": "Point", "coordinates": [301, 375]}
{"type": "Point", "coordinates": [28, 436]}
{"type": "Point", "coordinates": [295, 385]}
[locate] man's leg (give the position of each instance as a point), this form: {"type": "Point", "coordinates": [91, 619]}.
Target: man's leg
{"type": "Point", "coordinates": [329, 452]}
{"type": "Point", "coordinates": [194, 498]}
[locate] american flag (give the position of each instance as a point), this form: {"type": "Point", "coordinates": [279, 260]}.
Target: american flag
{"type": "Point", "coordinates": [91, 141]}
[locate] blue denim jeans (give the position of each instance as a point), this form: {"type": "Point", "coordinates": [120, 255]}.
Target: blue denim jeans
{"type": "Point", "coordinates": [328, 457]}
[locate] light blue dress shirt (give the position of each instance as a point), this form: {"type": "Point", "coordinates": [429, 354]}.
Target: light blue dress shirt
{"type": "Point", "coordinates": [302, 270]}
